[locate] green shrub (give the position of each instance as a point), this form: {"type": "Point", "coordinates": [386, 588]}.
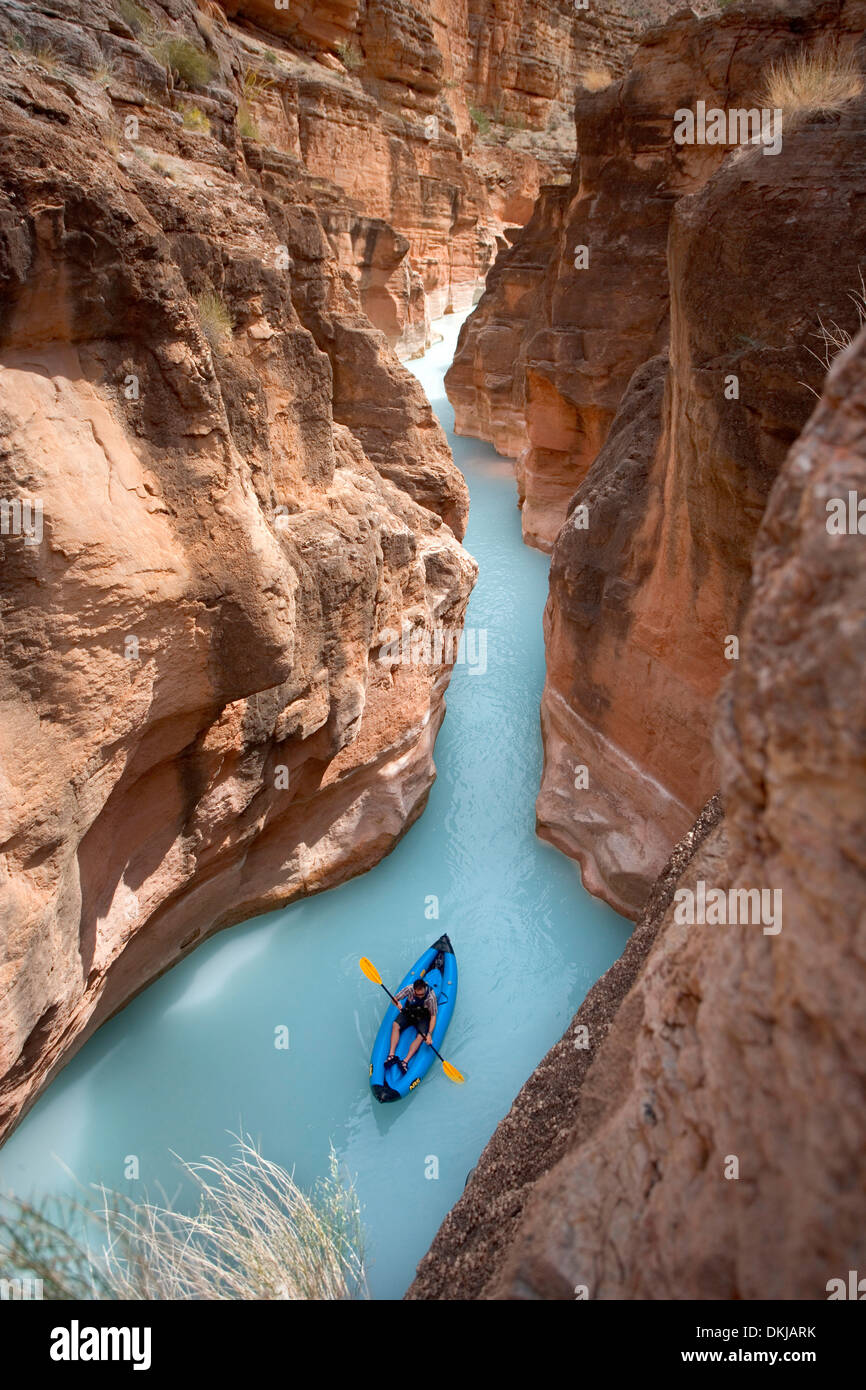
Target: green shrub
{"type": "Point", "coordinates": [246, 125]}
{"type": "Point", "coordinates": [350, 56]}
{"type": "Point", "coordinates": [480, 119]}
{"type": "Point", "coordinates": [189, 63]}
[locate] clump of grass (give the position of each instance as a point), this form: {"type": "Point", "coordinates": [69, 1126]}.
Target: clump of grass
{"type": "Point", "coordinates": [834, 339]}
{"type": "Point", "coordinates": [812, 81]}
{"type": "Point", "coordinates": [37, 50]}
{"type": "Point", "coordinates": [216, 320]}
{"type": "Point", "coordinates": [350, 55]}
{"type": "Point", "coordinates": [195, 119]}
{"type": "Point", "coordinates": [270, 55]}
{"type": "Point", "coordinates": [104, 72]}
{"type": "Point", "coordinates": [157, 164]}
{"type": "Point", "coordinates": [246, 124]}
{"type": "Point", "coordinates": [186, 62]}
{"type": "Point", "coordinates": [255, 1235]}
{"type": "Point", "coordinates": [595, 79]}
{"type": "Point", "coordinates": [480, 119]}
{"type": "Point", "coordinates": [134, 16]}
{"type": "Point", "coordinates": [255, 83]}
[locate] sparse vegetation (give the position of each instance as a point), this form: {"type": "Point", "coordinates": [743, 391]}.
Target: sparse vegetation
{"type": "Point", "coordinates": [255, 1235]}
{"type": "Point", "coordinates": [270, 55]}
{"type": "Point", "coordinates": [812, 81]}
{"type": "Point", "coordinates": [255, 84]}
{"type": "Point", "coordinates": [195, 119]}
{"type": "Point", "coordinates": [834, 339]}
{"type": "Point", "coordinates": [38, 51]}
{"type": "Point", "coordinates": [186, 62]}
{"type": "Point", "coordinates": [104, 72]}
{"type": "Point", "coordinates": [480, 119]}
{"type": "Point", "coordinates": [134, 16]}
{"type": "Point", "coordinates": [216, 321]}
{"type": "Point", "coordinates": [350, 55]}
{"type": "Point", "coordinates": [152, 159]}
{"type": "Point", "coordinates": [595, 79]}
{"type": "Point", "coordinates": [246, 124]}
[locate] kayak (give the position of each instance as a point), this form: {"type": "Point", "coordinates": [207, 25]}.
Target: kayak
{"type": "Point", "coordinates": [438, 967]}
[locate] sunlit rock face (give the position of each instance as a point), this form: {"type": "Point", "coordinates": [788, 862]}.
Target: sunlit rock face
{"type": "Point", "coordinates": [441, 118]}
{"type": "Point", "coordinates": [221, 491]}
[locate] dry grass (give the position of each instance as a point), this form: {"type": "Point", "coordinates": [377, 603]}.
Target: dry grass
{"type": "Point", "coordinates": [595, 79]}
{"type": "Point", "coordinates": [834, 339]}
{"type": "Point", "coordinates": [255, 84]}
{"type": "Point", "coordinates": [216, 320]}
{"type": "Point", "coordinates": [812, 81]}
{"type": "Point", "coordinates": [255, 1235]}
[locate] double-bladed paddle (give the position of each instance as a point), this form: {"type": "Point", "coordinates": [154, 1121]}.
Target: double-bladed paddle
{"type": "Point", "coordinates": [372, 973]}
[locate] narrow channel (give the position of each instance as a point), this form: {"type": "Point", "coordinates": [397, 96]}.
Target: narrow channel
{"type": "Point", "coordinates": [193, 1060]}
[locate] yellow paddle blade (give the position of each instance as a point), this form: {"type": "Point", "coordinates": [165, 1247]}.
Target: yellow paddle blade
{"type": "Point", "coordinates": [451, 1072]}
{"type": "Point", "coordinates": [370, 970]}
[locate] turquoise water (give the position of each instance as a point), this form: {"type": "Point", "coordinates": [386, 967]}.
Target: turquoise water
{"type": "Point", "coordinates": [192, 1059]}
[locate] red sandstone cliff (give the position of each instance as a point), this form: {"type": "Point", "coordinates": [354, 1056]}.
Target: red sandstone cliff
{"type": "Point", "coordinates": [239, 490]}
{"type": "Point", "coordinates": [697, 1133]}
{"type": "Point", "coordinates": [439, 119]}
{"type": "Point", "coordinates": [666, 476]}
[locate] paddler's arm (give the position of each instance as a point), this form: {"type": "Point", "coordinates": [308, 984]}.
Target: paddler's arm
{"type": "Point", "coordinates": [434, 1009]}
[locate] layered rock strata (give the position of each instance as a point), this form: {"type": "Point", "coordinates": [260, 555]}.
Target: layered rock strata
{"type": "Point", "coordinates": [542, 365]}
{"type": "Point", "coordinates": [650, 572]}
{"type": "Point", "coordinates": [441, 119]}
{"type": "Point", "coordinates": [220, 489]}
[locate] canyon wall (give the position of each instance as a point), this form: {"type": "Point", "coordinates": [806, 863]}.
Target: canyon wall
{"type": "Point", "coordinates": [699, 1132]}
{"type": "Point", "coordinates": [651, 398]}
{"type": "Point", "coordinates": [437, 120]}
{"type": "Point", "coordinates": [542, 365]}
{"type": "Point", "coordinates": [220, 489]}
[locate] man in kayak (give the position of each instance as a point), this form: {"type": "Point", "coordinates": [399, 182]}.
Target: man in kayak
{"type": "Point", "coordinates": [418, 1012]}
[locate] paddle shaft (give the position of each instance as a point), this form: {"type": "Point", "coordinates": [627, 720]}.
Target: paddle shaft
{"type": "Point", "coordinates": [417, 1030]}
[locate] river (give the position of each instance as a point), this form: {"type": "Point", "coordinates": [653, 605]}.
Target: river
{"type": "Point", "coordinates": [192, 1059]}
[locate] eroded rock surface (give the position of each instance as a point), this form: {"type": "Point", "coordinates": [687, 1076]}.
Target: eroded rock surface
{"type": "Point", "coordinates": [542, 365]}
{"type": "Point", "coordinates": [234, 491]}
{"type": "Point", "coordinates": [648, 582]}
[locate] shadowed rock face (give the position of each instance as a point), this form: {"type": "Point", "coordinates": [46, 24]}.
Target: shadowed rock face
{"type": "Point", "coordinates": [543, 364]}
{"type": "Point", "coordinates": [647, 596]}
{"type": "Point", "coordinates": [713, 1043]}
{"type": "Point", "coordinates": [196, 726]}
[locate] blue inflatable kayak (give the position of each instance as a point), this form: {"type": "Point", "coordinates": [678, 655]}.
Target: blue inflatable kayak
{"type": "Point", "coordinates": [438, 968]}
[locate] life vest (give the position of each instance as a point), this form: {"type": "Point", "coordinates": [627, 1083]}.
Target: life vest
{"type": "Point", "coordinates": [417, 1009]}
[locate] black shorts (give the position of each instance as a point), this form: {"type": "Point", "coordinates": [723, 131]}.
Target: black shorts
{"type": "Point", "coordinates": [422, 1023]}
